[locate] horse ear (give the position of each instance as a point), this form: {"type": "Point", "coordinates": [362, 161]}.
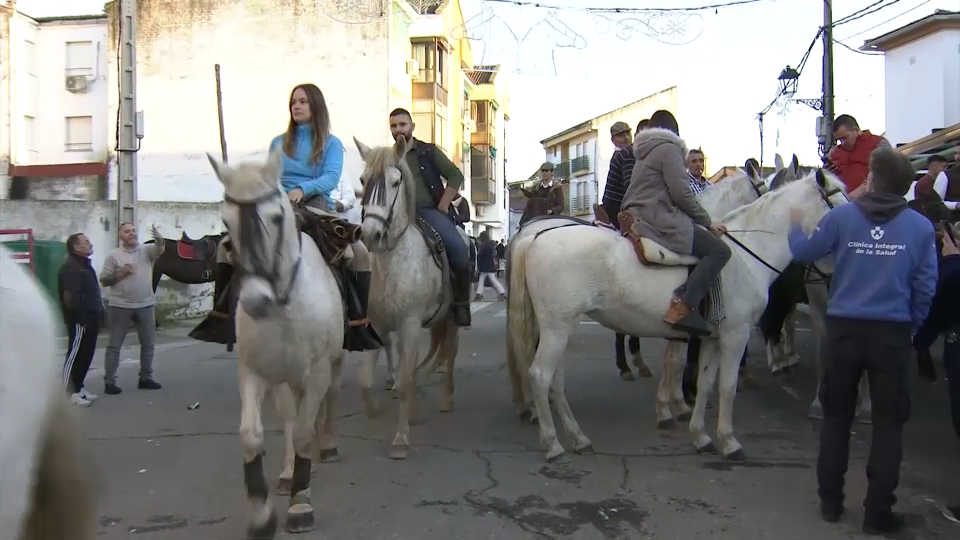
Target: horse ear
{"type": "Point", "coordinates": [821, 179]}
{"type": "Point", "coordinates": [795, 165]}
{"type": "Point", "coordinates": [274, 165]}
{"type": "Point", "coordinates": [778, 162]}
{"type": "Point", "coordinates": [362, 148]}
{"type": "Point", "coordinates": [220, 169]}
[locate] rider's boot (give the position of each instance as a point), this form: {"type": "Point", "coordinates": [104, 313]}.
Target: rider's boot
{"type": "Point", "coordinates": [360, 335]}
{"type": "Point", "coordinates": [680, 317]}
{"type": "Point", "coordinates": [461, 297]}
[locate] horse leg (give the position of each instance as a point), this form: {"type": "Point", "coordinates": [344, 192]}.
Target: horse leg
{"type": "Point", "coordinates": [391, 354]}
{"type": "Point", "coordinates": [728, 353]}
{"type": "Point", "coordinates": [408, 348]}
{"type": "Point", "coordinates": [620, 347]}
{"type": "Point", "coordinates": [326, 434]}
{"type": "Point", "coordinates": [642, 368]}
{"type": "Point", "coordinates": [774, 348]}
{"type": "Point", "coordinates": [865, 414]}
{"type": "Point", "coordinates": [677, 365]}
{"type": "Point", "coordinates": [262, 523]}
{"type": "Point", "coordinates": [368, 360]}
{"type": "Point", "coordinates": [791, 357]}
{"type": "Point", "coordinates": [300, 517]}
{"type": "Point", "coordinates": [549, 355]}
{"type": "Point", "coordinates": [665, 418]}
{"type": "Point", "coordinates": [581, 444]}
{"type": "Point", "coordinates": [705, 380]}
{"type": "Point", "coordinates": [817, 300]}
{"type": "Point", "coordinates": [286, 406]}
{"type": "Point", "coordinates": [448, 351]}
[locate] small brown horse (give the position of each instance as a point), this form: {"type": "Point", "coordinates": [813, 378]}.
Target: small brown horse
{"type": "Point", "coordinates": [189, 261]}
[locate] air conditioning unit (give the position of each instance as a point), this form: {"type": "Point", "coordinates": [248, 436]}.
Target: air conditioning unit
{"type": "Point", "coordinates": [413, 67]}
{"type": "Point", "coordinates": [77, 84]}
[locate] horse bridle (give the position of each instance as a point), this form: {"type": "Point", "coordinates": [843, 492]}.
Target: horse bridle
{"type": "Point", "coordinates": [387, 221]}
{"type": "Point", "coordinates": [251, 238]}
{"type": "Point", "coordinates": [825, 196]}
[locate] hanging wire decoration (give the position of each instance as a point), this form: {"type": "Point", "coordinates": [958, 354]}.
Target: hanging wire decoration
{"type": "Point", "coordinates": [667, 27]}
{"type": "Point", "coordinates": [500, 44]}
{"type": "Point", "coordinates": [356, 11]}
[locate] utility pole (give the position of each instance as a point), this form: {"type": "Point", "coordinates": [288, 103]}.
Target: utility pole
{"type": "Point", "coordinates": [826, 122]}
{"type": "Point", "coordinates": [130, 134]}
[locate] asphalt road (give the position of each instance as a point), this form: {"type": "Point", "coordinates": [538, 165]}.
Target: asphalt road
{"type": "Point", "coordinates": [172, 473]}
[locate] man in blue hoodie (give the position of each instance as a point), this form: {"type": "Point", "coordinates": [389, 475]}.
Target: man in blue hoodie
{"type": "Point", "coordinates": [870, 323]}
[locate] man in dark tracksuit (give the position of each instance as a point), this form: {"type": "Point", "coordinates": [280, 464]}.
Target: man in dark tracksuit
{"type": "Point", "coordinates": [430, 167]}
{"type": "Point", "coordinates": [869, 328]}
{"type": "Point", "coordinates": [80, 303]}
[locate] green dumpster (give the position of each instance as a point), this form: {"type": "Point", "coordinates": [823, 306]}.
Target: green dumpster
{"type": "Point", "coordinates": [48, 256]}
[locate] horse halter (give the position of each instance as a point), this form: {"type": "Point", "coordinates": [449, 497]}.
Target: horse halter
{"type": "Point", "coordinates": [252, 238]}
{"type": "Point", "coordinates": [381, 184]}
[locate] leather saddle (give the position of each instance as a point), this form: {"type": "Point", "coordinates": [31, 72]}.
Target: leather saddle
{"type": "Point", "coordinates": [650, 252]}
{"type": "Point", "coordinates": [201, 249]}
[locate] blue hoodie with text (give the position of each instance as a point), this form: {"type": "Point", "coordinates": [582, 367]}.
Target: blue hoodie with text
{"type": "Point", "coordinates": [885, 259]}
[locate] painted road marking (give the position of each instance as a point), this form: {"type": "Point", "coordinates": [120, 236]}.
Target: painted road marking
{"type": "Point", "coordinates": [477, 306]}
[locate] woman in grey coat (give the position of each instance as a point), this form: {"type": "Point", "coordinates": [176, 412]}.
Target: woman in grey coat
{"type": "Point", "coordinates": [665, 210]}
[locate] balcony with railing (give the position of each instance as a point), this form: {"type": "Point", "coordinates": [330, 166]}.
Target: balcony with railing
{"type": "Point", "coordinates": [580, 165]}
{"type": "Point", "coordinates": [581, 205]}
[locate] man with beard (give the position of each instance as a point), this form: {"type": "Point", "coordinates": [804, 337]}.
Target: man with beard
{"type": "Point", "coordinates": [430, 167]}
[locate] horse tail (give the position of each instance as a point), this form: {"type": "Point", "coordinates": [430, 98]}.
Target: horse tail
{"type": "Point", "coordinates": [522, 330]}
{"type": "Point", "coordinates": [438, 334]}
{"type": "Point", "coordinates": [64, 502]}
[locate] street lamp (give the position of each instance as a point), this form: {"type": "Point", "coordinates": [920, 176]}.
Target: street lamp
{"type": "Point", "coordinates": [788, 80]}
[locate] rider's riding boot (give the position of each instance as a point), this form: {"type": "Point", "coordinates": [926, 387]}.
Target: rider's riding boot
{"type": "Point", "coordinates": [360, 335]}
{"type": "Point", "coordinates": [461, 297]}
{"type": "Point", "coordinates": [681, 317]}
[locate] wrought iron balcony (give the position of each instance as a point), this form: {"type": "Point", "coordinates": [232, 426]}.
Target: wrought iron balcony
{"type": "Point", "coordinates": [582, 205]}
{"type": "Point", "coordinates": [580, 164]}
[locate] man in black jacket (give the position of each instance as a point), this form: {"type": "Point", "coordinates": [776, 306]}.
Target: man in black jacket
{"type": "Point", "coordinates": [430, 167]}
{"type": "Point", "coordinates": [80, 303]}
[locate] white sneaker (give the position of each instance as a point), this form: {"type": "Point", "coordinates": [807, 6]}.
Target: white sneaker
{"type": "Point", "coordinates": [78, 400]}
{"type": "Point", "coordinates": [88, 396]}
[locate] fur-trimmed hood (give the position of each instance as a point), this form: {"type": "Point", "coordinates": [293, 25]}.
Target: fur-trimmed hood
{"type": "Point", "coordinates": [648, 139]}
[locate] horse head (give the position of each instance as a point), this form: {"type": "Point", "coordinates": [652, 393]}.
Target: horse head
{"type": "Point", "coordinates": [389, 194]}
{"type": "Point", "coordinates": [263, 231]}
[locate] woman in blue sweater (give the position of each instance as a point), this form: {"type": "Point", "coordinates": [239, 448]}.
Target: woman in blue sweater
{"type": "Point", "coordinates": [312, 165]}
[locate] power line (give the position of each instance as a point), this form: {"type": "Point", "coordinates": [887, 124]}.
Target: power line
{"type": "Point", "coordinates": [864, 12]}
{"type": "Point", "coordinates": [895, 17]}
{"type": "Point", "coordinates": [716, 6]}
{"type": "Point", "coordinates": [854, 49]}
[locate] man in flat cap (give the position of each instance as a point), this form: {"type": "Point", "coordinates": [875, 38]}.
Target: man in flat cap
{"type": "Point", "coordinates": [618, 176]}
{"type": "Point", "coordinates": [546, 199]}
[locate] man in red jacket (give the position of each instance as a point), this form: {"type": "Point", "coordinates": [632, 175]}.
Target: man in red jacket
{"type": "Point", "coordinates": [850, 159]}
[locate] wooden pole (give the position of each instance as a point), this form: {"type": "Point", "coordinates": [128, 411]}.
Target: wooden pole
{"type": "Point", "coordinates": [223, 137]}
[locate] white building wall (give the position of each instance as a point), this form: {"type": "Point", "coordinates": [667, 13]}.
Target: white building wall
{"type": "Point", "coordinates": [67, 49]}
{"type": "Point", "coordinates": [264, 48]}
{"type": "Point", "coordinates": [922, 86]}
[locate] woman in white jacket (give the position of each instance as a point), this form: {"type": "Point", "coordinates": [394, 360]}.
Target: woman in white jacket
{"type": "Point", "coordinates": [345, 197]}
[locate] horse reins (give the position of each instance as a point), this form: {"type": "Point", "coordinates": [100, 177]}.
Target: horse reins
{"type": "Point", "coordinates": [252, 237]}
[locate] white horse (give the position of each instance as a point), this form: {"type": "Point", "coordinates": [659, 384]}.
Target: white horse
{"type": "Point", "coordinates": [290, 326]}
{"type": "Point", "coordinates": [408, 291]}
{"type": "Point", "coordinates": [721, 198]}
{"type": "Point", "coordinates": [632, 297]}
{"type": "Point", "coordinates": [47, 485]}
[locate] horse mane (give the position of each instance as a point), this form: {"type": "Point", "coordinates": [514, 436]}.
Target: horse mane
{"type": "Point", "coordinates": [720, 189]}
{"type": "Point", "coordinates": [763, 205]}
{"type": "Point", "coordinates": [247, 181]}
{"type": "Point", "coordinates": [376, 162]}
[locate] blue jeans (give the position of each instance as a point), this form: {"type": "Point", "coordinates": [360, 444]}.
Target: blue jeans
{"type": "Point", "coordinates": [951, 364]}
{"type": "Point", "coordinates": [453, 243]}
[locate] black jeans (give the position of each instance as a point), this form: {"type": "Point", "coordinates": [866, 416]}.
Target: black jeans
{"type": "Point", "coordinates": [883, 350]}
{"type": "Point", "coordinates": [713, 254]}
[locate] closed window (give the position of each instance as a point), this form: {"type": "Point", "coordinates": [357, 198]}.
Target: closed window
{"type": "Point", "coordinates": [30, 134]}
{"type": "Point", "coordinates": [79, 134]}
{"type": "Point", "coordinates": [81, 58]}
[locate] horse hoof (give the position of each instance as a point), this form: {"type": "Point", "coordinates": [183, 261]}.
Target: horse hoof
{"type": "Point", "coordinates": [284, 485]}
{"type": "Point", "coordinates": [865, 418]}
{"type": "Point", "coordinates": [585, 450]}
{"type": "Point", "coordinates": [627, 375]}
{"type": "Point", "coordinates": [300, 519]}
{"type": "Point", "coordinates": [559, 458]}
{"type": "Point", "coordinates": [267, 531]}
{"type": "Point", "coordinates": [668, 423]}
{"type": "Point", "coordinates": [685, 416]}
{"type": "Point", "coordinates": [526, 416]}
{"type": "Point", "coordinates": [399, 451]}
{"type": "Point", "coordinates": [535, 421]}
{"type": "Point", "coordinates": [708, 448]}
{"type": "Point", "coordinates": [230, 348]}
{"type": "Point", "coordinates": [329, 455]}
{"type": "Point", "coordinates": [389, 384]}
{"type": "Point", "coordinates": [815, 413]}
{"type": "Point", "coordinates": [737, 456]}
{"type": "Point", "coordinates": [394, 394]}
{"type": "Point", "coordinates": [644, 371]}
{"type": "Point", "coordinates": [446, 406]}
